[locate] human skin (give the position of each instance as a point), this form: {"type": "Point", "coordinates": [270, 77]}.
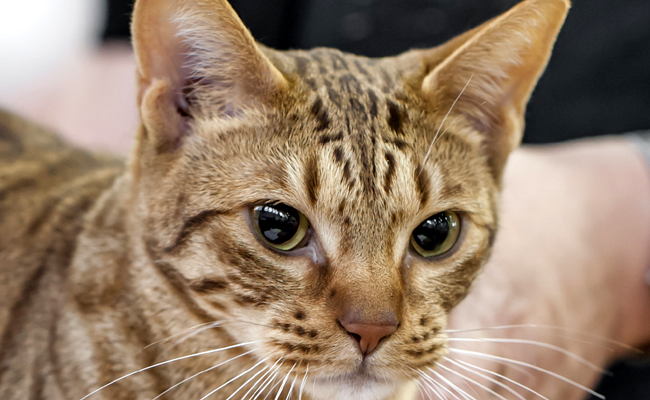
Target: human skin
{"type": "Point", "coordinates": [572, 253]}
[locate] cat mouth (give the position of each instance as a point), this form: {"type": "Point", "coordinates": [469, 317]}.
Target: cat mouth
{"type": "Point", "coordinates": [360, 375]}
{"type": "Point", "coordinates": [357, 378]}
{"type": "Point", "coordinates": [358, 385]}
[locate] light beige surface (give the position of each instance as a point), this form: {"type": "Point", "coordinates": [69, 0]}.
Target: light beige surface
{"type": "Point", "coordinates": [90, 100]}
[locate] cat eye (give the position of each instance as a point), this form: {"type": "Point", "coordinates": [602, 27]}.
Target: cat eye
{"type": "Point", "coordinates": [281, 226]}
{"type": "Point", "coordinates": [437, 234]}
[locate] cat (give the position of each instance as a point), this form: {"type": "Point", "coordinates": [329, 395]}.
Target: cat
{"type": "Point", "coordinates": [295, 222]}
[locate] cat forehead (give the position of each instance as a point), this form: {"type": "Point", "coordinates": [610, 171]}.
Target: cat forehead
{"type": "Point", "coordinates": [342, 73]}
{"type": "Point", "coordinates": [369, 129]}
{"type": "Point", "coordinates": [349, 87]}
{"type": "Point", "coordinates": [352, 131]}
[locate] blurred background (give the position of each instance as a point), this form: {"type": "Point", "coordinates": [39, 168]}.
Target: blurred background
{"type": "Point", "coordinates": [68, 64]}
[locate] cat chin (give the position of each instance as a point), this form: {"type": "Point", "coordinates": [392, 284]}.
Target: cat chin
{"type": "Point", "coordinates": [351, 388]}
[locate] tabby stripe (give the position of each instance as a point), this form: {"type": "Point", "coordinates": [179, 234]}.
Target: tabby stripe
{"type": "Point", "coordinates": [13, 144]}
{"type": "Point", "coordinates": [38, 381]}
{"type": "Point", "coordinates": [361, 69]}
{"type": "Point", "coordinates": [334, 97]}
{"type": "Point", "coordinates": [390, 172]}
{"type": "Point", "coordinates": [75, 197]}
{"type": "Point", "coordinates": [492, 232]}
{"type": "Point", "coordinates": [144, 335]}
{"type": "Point", "coordinates": [53, 354]}
{"type": "Point", "coordinates": [191, 225]}
{"type": "Point", "coordinates": [312, 179]}
{"type": "Point", "coordinates": [321, 115]}
{"type": "Point", "coordinates": [18, 315]}
{"type": "Point", "coordinates": [338, 62]}
{"type": "Point", "coordinates": [451, 190]}
{"type": "Point", "coordinates": [208, 285]}
{"type": "Point", "coordinates": [349, 83]}
{"type": "Point", "coordinates": [347, 171]}
{"type": "Point", "coordinates": [395, 117]}
{"type": "Point", "coordinates": [335, 138]}
{"type": "Point", "coordinates": [373, 104]}
{"type": "Point", "coordinates": [302, 64]}
{"type": "Point", "coordinates": [422, 185]}
{"type": "Point", "coordinates": [44, 214]}
{"type": "Point", "coordinates": [22, 183]}
{"type": "Point", "coordinates": [179, 284]}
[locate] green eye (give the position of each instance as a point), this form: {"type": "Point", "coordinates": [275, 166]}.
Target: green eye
{"type": "Point", "coordinates": [437, 234]}
{"type": "Point", "coordinates": [280, 226]}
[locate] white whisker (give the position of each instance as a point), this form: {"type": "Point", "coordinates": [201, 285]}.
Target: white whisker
{"type": "Point", "coordinates": [249, 379]}
{"type": "Point", "coordinates": [536, 368]}
{"type": "Point", "coordinates": [222, 324]}
{"type": "Point", "coordinates": [271, 390]}
{"type": "Point", "coordinates": [256, 382]}
{"type": "Point", "coordinates": [271, 369]}
{"type": "Point", "coordinates": [295, 378]}
{"type": "Point", "coordinates": [243, 321]}
{"type": "Point", "coordinates": [550, 327]}
{"type": "Point", "coordinates": [284, 382]}
{"type": "Point", "coordinates": [487, 389]}
{"type": "Point", "coordinates": [302, 385]}
{"type": "Point", "coordinates": [534, 343]}
{"type": "Point", "coordinates": [439, 385]}
{"type": "Point", "coordinates": [168, 362]}
{"type": "Point", "coordinates": [496, 382]}
{"type": "Point", "coordinates": [487, 371]}
{"type": "Point", "coordinates": [488, 378]}
{"type": "Point", "coordinates": [268, 381]}
{"type": "Point", "coordinates": [199, 373]}
{"type": "Point", "coordinates": [194, 333]}
{"type": "Point", "coordinates": [451, 385]}
{"type": "Point", "coordinates": [261, 381]}
{"type": "Point", "coordinates": [178, 334]}
{"type": "Point", "coordinates": [426, 156]}
{"type": "Point", "coordinates": [423, 391]}
{"type": "Point", "coordinates": [231, 380]}
{"type": "Point", "coordinates": [430, 387]}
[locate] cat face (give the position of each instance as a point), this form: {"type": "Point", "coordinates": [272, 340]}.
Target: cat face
{"type": "Point", "coordinates": [363, 194]}
{"type": "Point", "coordinates": [297, 193]}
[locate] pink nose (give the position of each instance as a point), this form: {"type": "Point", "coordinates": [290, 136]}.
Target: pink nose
{"type": "Point", "coordinates": [368, 334]}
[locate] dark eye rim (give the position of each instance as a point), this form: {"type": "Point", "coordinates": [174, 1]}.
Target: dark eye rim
{"type": "Point", "coordinates": [249, 213]}
{"type": "Point", "coordinates": [462, 221]}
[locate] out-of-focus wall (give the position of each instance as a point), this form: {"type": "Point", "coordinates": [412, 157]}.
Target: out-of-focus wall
{"type": "Point", "coordinates": [55, 71]}
{"type": "Point", "coordinates": [37, 37]}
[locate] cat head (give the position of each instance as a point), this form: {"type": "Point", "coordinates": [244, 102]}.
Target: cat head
{"type": "Point", "coordinates": [341, 206]}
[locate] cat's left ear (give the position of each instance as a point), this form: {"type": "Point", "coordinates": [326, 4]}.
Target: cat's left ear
{"type": "Point", "coordinates": [496, 67]}
{"type": "Point", "coordinates": [195, 56]}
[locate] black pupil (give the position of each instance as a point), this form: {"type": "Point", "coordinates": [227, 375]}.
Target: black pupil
{"type": "Point", "coordinates": [278, 223]}
{"type": "Point", "coordinates": [432, 233]}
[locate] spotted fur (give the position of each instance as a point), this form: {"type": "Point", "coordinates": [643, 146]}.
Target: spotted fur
{"type": "Point", "coordinates": [101, 259]}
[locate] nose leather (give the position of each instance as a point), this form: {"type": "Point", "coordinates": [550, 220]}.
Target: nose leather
{"type": "Point", "coordinates": [369, 333]}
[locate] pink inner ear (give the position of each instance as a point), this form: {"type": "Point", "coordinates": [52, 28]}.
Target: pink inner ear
{"type": "Point", "coordinates": [503, 58]}
{"type": "Point", "coordinates": [182, 105]}
{"type": "Point", "coordinates": [208, 61]}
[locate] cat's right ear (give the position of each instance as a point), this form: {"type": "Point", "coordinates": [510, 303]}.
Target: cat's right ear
{"type": "Point", "coordinates": [195, 57]}
{"type": "Point", "coordinates": [486, 76]}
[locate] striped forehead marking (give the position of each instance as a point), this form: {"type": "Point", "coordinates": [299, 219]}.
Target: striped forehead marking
{"type": "Point", "coordinates": [355, 108]}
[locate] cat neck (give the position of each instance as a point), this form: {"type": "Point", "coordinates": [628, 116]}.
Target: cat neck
{"type": "Point", "coordinates": [137, 312]}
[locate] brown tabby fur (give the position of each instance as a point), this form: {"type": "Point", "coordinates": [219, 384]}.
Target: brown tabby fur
{"type": "Point", "coordinates": [99, 260]}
